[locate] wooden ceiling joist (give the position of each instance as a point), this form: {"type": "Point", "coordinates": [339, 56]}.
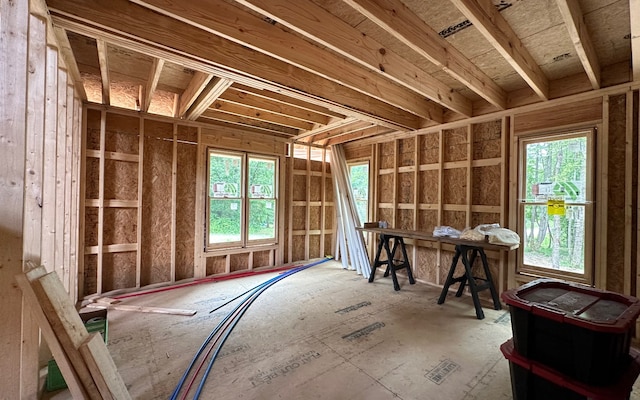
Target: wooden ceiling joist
{"type": "Point", "coordinates": [394, 17]}
{"type": "Point", "coordinates": [223, 19]}
{"type": "Point", "coordinates": [271, 106]}
{"type": "Point", "coordinates": [152, 83]}
{"type": "Point", "coordinates": [253, 124]}
{"type": "Point", "coordinates": [284, 99]}
{"type": "Point", "coordinates": [574, 20]}
{"type": "Point", "coordinates": [634, 11]}
{"type": "Point", "coordinates": [70, 60]}
{"type": "Point", "coordinates": [492, 25]}
{"type": "Point", "coordinates": [336, 124]}
{"type": "Point", "coordinates": [209, 95]}
{"type": "Point", "coordinates": [260, 115]}
{"type": "Point", "coordinates": [339, 131]}
{"type": "Point", "coordinates": [103, 58]}
{"type": "Point", "coordinates": [360, 134]}
{"type": "Point", "coordinates": [314, 22]}
{"type": "Point", "coordinates": [197, 84]}
{"type": "Point", "coordinates": [139, 29]}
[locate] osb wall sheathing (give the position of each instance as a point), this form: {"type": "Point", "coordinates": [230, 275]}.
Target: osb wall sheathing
{"type": "Point", "coordinates": [484, 218]}
{"type": "Point", "coordinates": [329, 217]}
{"type": "Point", "coordinates": [385, 188]}
{"type": "Point", "coordinates": [426, 267]}
{"type": "Point", "coordinates": [314, 246]}
{"type": "Point", "coordinates": [118, 271]}
{"type": "Point", "coordinates": [428, 186]}
{"type": "Point", "coordinates": [91, 226]}
{"type": "Point", "coordinates": [121, 133]}
{"type": "Point", "coordinates": [299, 218]}
{"type": "Point", "coordinates": [487, 140]}
{"type": "Point", "coordinates": [299, 188]}
{"type": "Point", "coordinates": [404, 219]}
{"type": "Point", "coordinates": [328, 244]}
{"type": "Point", "coordinates": [427, 220]}
{"type": "Point", "coordinates": [455, 144]}
{"type": "Point", "coordinates": [455, 219]}
{"type": "Point", "coordinates": [454, 186]}
{"type": "Point", "coordinates": [328, 189]}
{"type": "Point", "coordinates": [239, 262]}
{"type": "Point", "coordinates": [429, 148]}
{"type": "Point", "coordinates": [314, 217]}
{"type": "Point", "coordinates": [120, 180]}
{"type": "Point", "coordinates": [406, 186]}
{"type": "Point", "coordinates": [120, 225]}
{"type": "Point", "coordinates": [93, 130]}
{"type": "Point", "coordinates": [406, 152]}
{"type": "Point", "coordinates": [185, 207]}
{"type": "Point", "coordinates": [261, 258]}
{"type": "Point", "coordinates": [616, 199]}
{"type": "Point", "coordinates": [486, 185]}
{"type": "Point", "coordinates": [216, 265]}
{"type": "Point", "coordinates": [91, 273]}
{"type": "Point", "coordinates": [387, 151]}
{"type": "Point", "coordinates": [298, 248]}
{"type": "Point", "coordinates": [315, 166]}
{"type": "Point", "coordinates": [156, 206]}
{"type": "Point", "coordinates": [315, 188]}
{"type": "Point", "coordinates": [92, 174]}
{"type": "Point", "coordinates": [300, 164]}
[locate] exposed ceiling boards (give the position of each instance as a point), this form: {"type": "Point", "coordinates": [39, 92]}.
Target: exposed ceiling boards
{"type": "Point", "coordinates": [325, 72]}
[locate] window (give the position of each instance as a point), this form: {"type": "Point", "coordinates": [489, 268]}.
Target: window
{"type": "Point", "coordinates": [242, 199]}
{"type": "Point", "coordinates": [359, 179]}
{"type": "Point", "coordinates": [555, 207]}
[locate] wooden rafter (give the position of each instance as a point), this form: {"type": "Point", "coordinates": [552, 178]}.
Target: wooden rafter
{"type": "Point", "coordinates": [314, 22]}
{"type": "Point", "coordinates": [152, 83]}
{"type": "Point", "coordinates": [136, 28]}
{"type": "Point", "coordinates": [394, 17]}
{"type": "Point", "coordinates": [339, 131]}
{"type": "Point", "coordinates": [214, 89]}
{"type": "Point", "coordinates": [634, 11]}
{"type": "Point", "coordinates": [259, 114]}
{"type": "Point", "coordinates": [573, 19]}
{"type": "Point", "coordinates": [70, 61]}
{"type": "Point", "coordinates": [103, 59]}
{"type": "Point", "coordinates": [272, 106]}
{"type": "Point", "coordinates": [492, 25]}
{"type": "Point", "coordinates": [226, 20]}
{"type": "Point", "coordinates": [336, 124]}
{"type": "Point", "coordinates": [197, 84]}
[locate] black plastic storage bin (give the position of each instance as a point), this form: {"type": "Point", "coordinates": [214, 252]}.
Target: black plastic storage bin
{"type": "Point", "coordinates": [531, 380]}
{"type": "Point", "coordinates": [582, 332]}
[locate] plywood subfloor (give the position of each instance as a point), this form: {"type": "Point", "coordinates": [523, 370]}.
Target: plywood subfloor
{"type": "Point", "coordinates": [324, 333]}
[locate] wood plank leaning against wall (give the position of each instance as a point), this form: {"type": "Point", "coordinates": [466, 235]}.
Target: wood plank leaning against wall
{"type": "Point", "coordinates": [39, 117]}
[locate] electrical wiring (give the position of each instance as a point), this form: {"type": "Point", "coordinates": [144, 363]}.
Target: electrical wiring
{"type": "Point", "coordinates": [221, 332]}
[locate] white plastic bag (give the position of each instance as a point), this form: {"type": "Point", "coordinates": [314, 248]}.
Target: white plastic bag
{"type": "Point", "coordinates": [445, 231]}
{"type": "Point", "coordinates": [504, 236]}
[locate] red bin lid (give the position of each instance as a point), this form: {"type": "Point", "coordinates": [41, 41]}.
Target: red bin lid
{"type": "Point", "coordinates": [571, 303]}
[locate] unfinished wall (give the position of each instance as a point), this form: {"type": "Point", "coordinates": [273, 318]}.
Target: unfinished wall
{"type": "Point", "coordinates": [40, 119]}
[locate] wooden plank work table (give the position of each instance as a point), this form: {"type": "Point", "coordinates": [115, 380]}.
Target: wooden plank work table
{"type": "Point", "coordinates": [467, 250]}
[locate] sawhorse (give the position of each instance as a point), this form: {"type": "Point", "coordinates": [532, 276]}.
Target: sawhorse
{"type": "Point", "coordinates": [391, 264]}
{"type": "Point", "coordinates": [474, 288]}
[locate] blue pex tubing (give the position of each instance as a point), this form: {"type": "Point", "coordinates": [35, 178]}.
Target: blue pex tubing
{"type": "Point", "coordinates": [213, 343]}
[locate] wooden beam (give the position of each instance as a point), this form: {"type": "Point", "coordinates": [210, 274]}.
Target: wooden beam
{"type": "Point", "coordinates": [103, 59]}
{"type": "Point", "coordinates": [213, 90]}
{"type": "Point", "coordinates": [236, 24]}
{"type": "Point", "coordinates": [152, 83]}
{"type": "Point", "coordinates": [254, 124]}
{"type": "Point", "coordinates": [197, 84]}
{"type": "Point", "coordinates": [634, 11]}
{"type": "Point", "coordinates": [285, 99]}
{"type": "Point", "coordinates": [337, 124]}
{"type": "Point", "coordinates": [202, 51]}
{"type": "Point", "coordinates": [260, 115]}
{"type": "Point", "coordinates": [341, 130]}
{"type": "Point", "coordinates": [367, 132]}
{"type": "Point", "coordinates": [70, 61]}
{"type": "Point", "coordinates": [314, 22]}
{"type": "Point", "coordinates": [574, 20]}
{"type": "Point", "coordinates": [492, 25]}
{"type": "Point", "coordinates": [272, 106]}
{"type": "Point", "coordinates": [395, 18]}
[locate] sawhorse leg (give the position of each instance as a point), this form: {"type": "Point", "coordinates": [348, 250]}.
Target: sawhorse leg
{"type": "Point", "coordinates": [474, 288]}
{"type": "Point", "coordinates": [391, 266]}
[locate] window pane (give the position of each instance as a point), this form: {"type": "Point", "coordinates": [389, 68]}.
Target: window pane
{"type": "Point", "coordinates": [262, 219]}
{"type": "Point", "coordinates": [225, 216]}
{"type": "Point", "coordinates": [224, 175]}
{"type": "Point", "coordinates": [554, 241]}
{"type": "Point", "coordinates": [262, 177]}
{"type": "Point", "coordinates": [359, 179]}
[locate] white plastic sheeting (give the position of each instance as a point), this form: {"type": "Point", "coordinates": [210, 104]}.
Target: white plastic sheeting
{"type": "Point", "coordinates": [351, 246]}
